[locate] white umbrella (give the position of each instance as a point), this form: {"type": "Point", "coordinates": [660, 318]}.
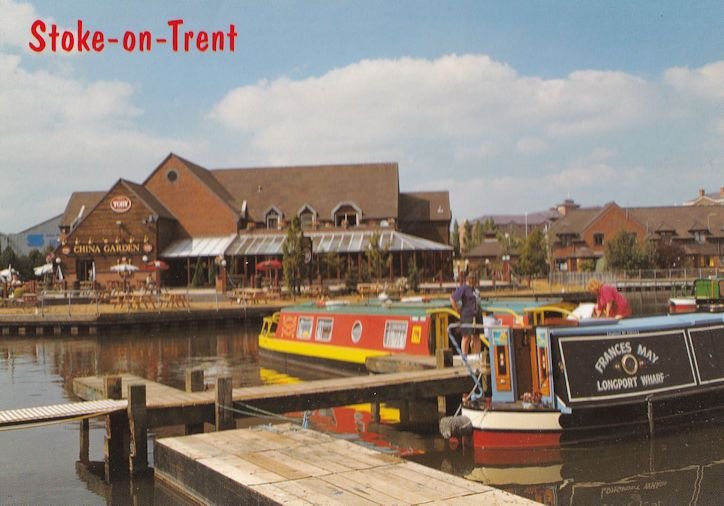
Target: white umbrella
{"type": "Point", "coordinates": [43, 270]}
{"type": "Point", "coordinates": [6, 274]}
{"type": "Point", "coordinates": [124, 268]}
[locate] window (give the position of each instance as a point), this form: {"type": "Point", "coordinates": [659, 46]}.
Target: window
{"type": "Point", "coordinates": [272, 220]}
{"type": "Point", "coordinates": [598, 239]}
{"type": "Point", "coordinates": [304, 327]}
{"type": "Point", "coordinates": [356, 331]}
{"type": "Point", "coordinates": [700, 236]}
{"type": "Point", "coordinates": [395, 335]}
{"type": "Point", "coordinates": [172, 176]}
{"type": "Point", "coordinates": [346, 214]}
{"type": "Point", "coordinates": [324, 330]}
{"type": "Point", "coordinates": [306, 218]}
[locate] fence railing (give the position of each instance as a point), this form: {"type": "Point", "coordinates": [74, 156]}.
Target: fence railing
{"type": "Point", "coordinates": [676, 276]}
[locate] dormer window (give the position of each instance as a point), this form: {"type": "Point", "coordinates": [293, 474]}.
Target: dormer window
{"type": "Point", "coordinates": [346, 214]}
{"type": "Point", "coordinates": [307, 217]}
{"type": "Point", "coordinates": [699, 236]}
{"type": "Point", "coordinates": [273, 218]}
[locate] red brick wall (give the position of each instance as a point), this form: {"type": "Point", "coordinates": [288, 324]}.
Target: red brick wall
{"type": "Point", "coordinates": [199, 211]}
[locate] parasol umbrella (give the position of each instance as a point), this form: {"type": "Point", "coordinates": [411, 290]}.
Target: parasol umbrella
{"type": "Point", "coordinates": [124, 268]}
{"type": "Point", "coordinates": [42, 270]}
{"type": "Point", "coordinates": [156, 265]}
{"type": "Point", "coordinates": [7, 274]}
{"type": "Point", "coordinates": [269, 265]}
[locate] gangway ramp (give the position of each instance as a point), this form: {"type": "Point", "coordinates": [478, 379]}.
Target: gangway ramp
{"type": "Point", "coordinates": [57, 412]}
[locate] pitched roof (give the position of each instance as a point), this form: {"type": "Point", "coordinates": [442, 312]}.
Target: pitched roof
{"type": "Point", "coordinates": [372, 187]}
{"type": "Point", "coordinates": [534, 218]}
{"type": "Point", "coordinates": [149, 199]}
{"type": "Point", "coordinates": [682, 221]}
{"type": "Point", "coordinates": [575, 221]}
{"type": "Point", "coordinates": [425, 206]}
{"type": "Point", "coordinates": [78, 201]}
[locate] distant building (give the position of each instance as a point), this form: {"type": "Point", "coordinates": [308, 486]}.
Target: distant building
{"type": "Point", "coordinates": [581, 235]}
{"type": "Point", "coordinates": [708, 199]}
{"type": "Point", "coordinates": [38, 237]}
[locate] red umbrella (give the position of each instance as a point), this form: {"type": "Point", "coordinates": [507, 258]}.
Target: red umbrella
{"type": "Point", "coordinates": [269, 265]}
{"type": "Point", "coordinates": [158, 265]}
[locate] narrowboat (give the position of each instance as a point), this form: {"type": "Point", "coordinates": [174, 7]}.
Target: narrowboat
{"type": "Point", "coordinates": [594, 378]}
{"type": "Point", "coordinates": [343, 333]}
{"type": "Point", "coordinates": [708, 295]}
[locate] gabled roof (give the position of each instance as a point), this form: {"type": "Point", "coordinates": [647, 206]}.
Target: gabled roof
{"type": "Point", "coordinates": [489, 248]}
{"type": "Point", "coordinates": [148, 199]}
{"type": "Point", "coordinates": [77, 201]}
{"type": "Point", "coordinates": [681, 221]}
{"type": "Point", "coordinates": [373, 187]}
{"type": "Point", "coordinates": [575, 221]}
{"type": "Point", "coordinates": [425, 206]}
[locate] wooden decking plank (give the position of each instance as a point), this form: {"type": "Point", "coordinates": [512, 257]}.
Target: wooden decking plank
{"type": "Point", "coordinates": [449, 479]}
{"type": "Point", "coordinates": [320, 456]}
{"type": "Point", "coordinates": [489, 498]}
{"type": "Point", "coordinates": [431, 487]}
{"type": "Point", "coordinates": [281, 496]}
{"type": "Point", "coordinates": [194, 447]}
{"type": "Point", "coordinates": [319, 491]}
{"type": "Point", "coordinates": [373, 489]}
{"type": "Point", "coordinates": [382, 482]}
{"type": "Point", "coordinates": [364, 456]}
{"type": "Point", "coordinates": [289, 467]}
{"type": "Point", "coordinates": [241, 470]}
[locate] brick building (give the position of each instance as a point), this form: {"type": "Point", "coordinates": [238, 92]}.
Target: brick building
{"type": "Point", "coordinates": [580, 236]}
{"type": "Point", "coordinates": [197, 220]}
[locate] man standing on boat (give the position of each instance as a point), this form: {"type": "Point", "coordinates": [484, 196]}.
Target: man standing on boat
{"type": "Point", "coordinates": [609, 301]}
{"type": "Point", "coordinates": [465, 302]}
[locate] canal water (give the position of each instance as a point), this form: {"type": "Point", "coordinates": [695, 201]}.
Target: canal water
{"type": "Point", "coordinates": [40, 465]}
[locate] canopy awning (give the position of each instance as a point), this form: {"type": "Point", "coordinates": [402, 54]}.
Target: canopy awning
{"type": "Point", "coordinates": [198, 247]}
{"type": "Point", "coordinates": [338, 241]}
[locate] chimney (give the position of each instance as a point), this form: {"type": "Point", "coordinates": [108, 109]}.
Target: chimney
{"type": "Point", "coordinates": [721, 191]}
{"type": "Point", "coordinates": [701, 192]}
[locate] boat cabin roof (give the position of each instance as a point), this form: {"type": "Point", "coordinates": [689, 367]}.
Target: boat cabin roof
{"type": "Point", "coordinates": [612, 326]}
{"type": "Point", "coordinates": [370, 307]}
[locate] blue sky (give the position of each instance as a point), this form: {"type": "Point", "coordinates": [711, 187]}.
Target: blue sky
{"type": "Point", "coordinates": [510, 106]}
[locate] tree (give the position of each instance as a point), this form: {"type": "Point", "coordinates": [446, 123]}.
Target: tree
{"type": "Point", "coordinates": [378, 257]}
{"type": "Point", "coordinates": [467, 236]}
{"type": "Point", "coordinates": [413, 277]}
{"type": "Point", "coordinates": [623, 251]}
{"type": "Point", "coordinates": [669, 255]}
{"type": "Point", "coordinates": [331, 262]}
{"type": "Point", "coordinates": [293, 260]}
{"type": "Point", "coordinates": [532, 261]}
{"type": "Point", "coordinates": [455, 239]}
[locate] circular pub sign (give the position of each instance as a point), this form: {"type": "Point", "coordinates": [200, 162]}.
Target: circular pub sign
{"type": "Point", "coordinates": [120, 204]}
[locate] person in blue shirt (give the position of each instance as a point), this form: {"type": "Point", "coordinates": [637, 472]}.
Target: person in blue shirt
{"type": "Point", "coordinates": [464, 301]}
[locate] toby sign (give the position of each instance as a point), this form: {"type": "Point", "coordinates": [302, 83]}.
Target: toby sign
{"type": "Point", "coordinates": [120, 204]}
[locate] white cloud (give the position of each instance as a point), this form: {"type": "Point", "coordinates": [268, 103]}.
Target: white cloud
{"type": "Point", "coordinates": [531, 146]}
{"type": "Point", "coordinates": [15, 21]}
{"type": "Point", "coordinates": [513, 142]}
{"type": "Point", "coordinates": [706, 82]}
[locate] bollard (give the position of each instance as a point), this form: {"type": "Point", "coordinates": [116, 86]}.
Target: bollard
{"type": "Point", "coordinates": [138, 428]}
{"type": "Point", "coordinates": [224, 417]}
{"type": "Point", "coordinates": [195, 383]}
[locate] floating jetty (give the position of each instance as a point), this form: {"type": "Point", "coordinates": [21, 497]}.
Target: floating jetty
{"type": "Point", "coordinates": [286, 464]}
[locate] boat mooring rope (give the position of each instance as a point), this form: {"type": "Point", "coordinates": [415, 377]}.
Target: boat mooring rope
{"type": "Point", "coordinates": [254, 411]}
{"type": "Point", "coordinates": [477, 390]}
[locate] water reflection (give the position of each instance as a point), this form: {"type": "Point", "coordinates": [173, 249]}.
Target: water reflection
{"type": "Point", "coordinates": [674, 468]}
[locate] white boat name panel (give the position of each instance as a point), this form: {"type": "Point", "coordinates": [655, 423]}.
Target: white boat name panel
{"type": "Point", "coordinates": [624, 366]}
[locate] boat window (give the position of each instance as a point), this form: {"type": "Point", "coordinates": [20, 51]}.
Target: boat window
{"type": "Point", "coordinates": [395, 334]}
{"type": "Point", "coordinates": [357, 331]}
{"type": "Point", "coordinates": [304, 327]}
{"type": "Point", "coordinates": [324, 329]}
